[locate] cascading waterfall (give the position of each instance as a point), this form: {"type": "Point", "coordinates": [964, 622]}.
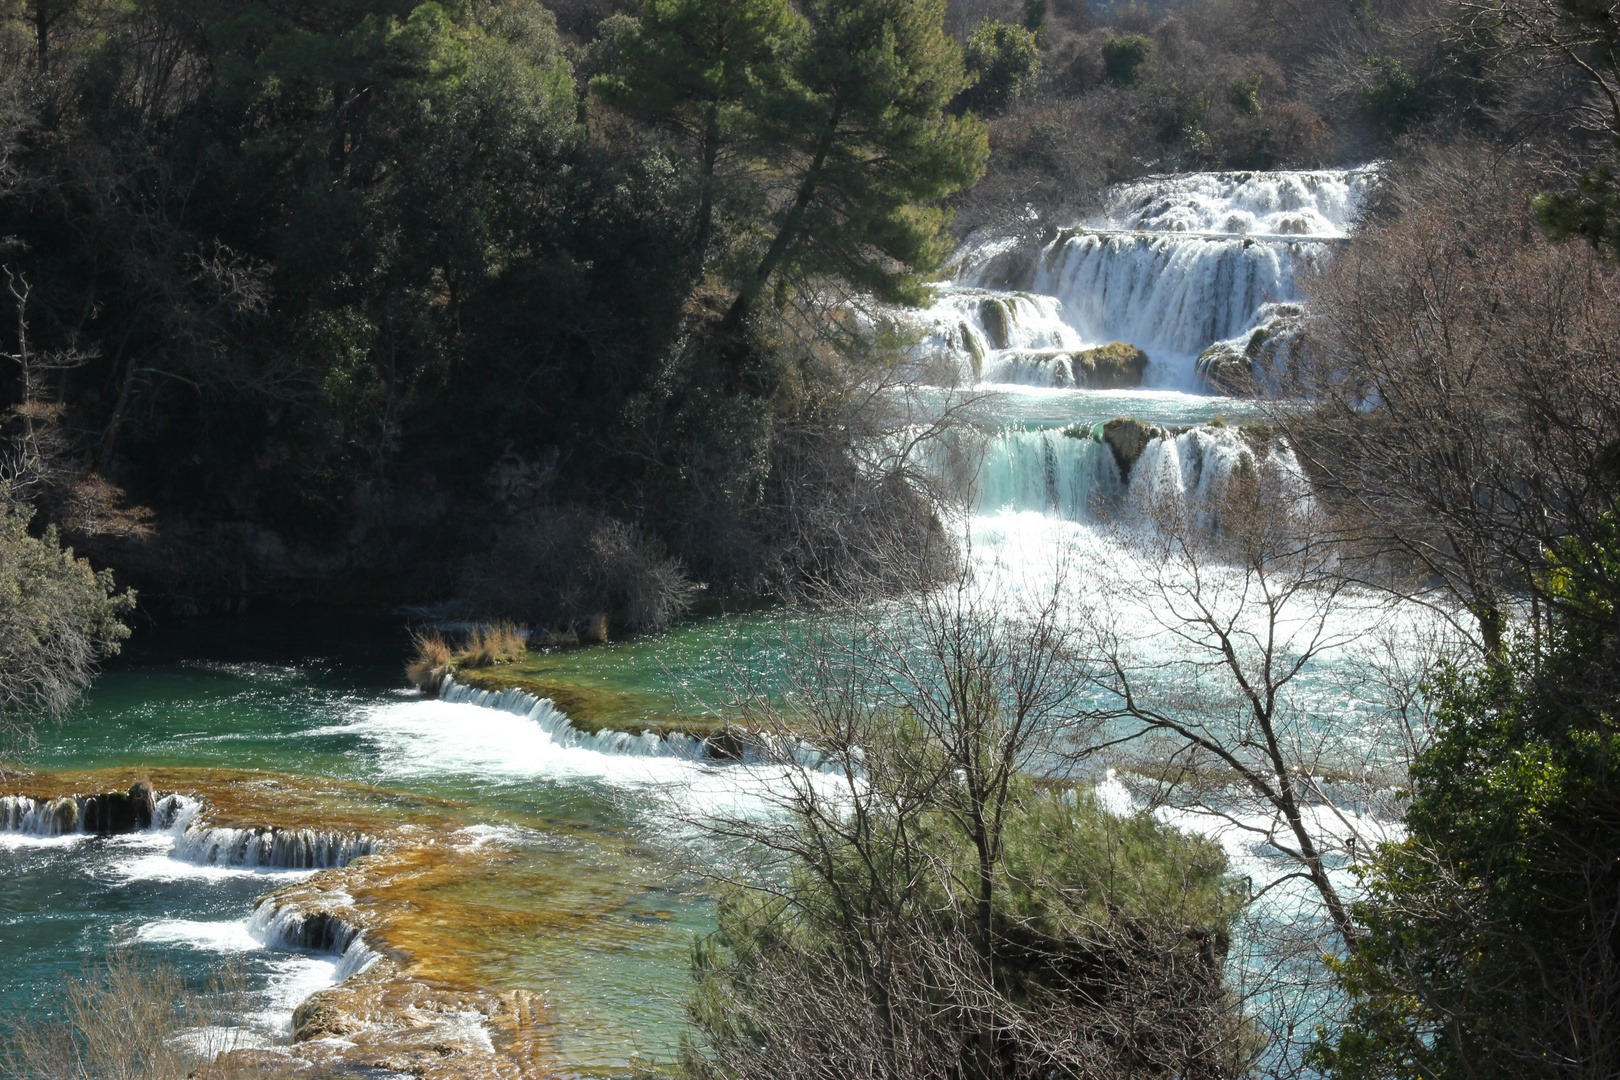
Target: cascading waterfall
{"type": "Point", "coordinates": [272, 848]}
{"type": "Point", "coordinates": [555, 723]}
{"type": "Point", "coordinates": [194, 841]}
{"type": "Point", "coordinates": [289, 926]}
{"type": "Point", "coordinates": [1172, 265]}
{"type": "Point", "coordinates": [1074, 472]}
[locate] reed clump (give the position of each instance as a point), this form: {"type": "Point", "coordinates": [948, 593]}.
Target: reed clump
{"type": "Point", "coordinates": [430, 660]}
{"type": "Point", "coordinates": [133, 1017]}
{"type": "Point", "coordinates": [496, 643]}
{"type": "Point", "coordinates": [435, 656]}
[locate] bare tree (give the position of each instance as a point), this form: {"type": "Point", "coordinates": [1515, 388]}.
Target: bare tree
{"type": "Point", "coordinates": [927, 906]}
{"type": "Point", "coordinates": [1466, 380]}
{"type": "Point", "coordinates": [1262, 694]}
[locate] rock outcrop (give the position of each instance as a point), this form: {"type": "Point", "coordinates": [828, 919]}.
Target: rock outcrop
{"type": "Point", "coordinates": [1116, 366]}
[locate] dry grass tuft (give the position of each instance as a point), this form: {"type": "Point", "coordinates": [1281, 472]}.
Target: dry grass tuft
{"type": "Point", "coordinates": [430, 661]}
{"type": "Point", "coordinates": [497, 643]}
{"type": "Point", "coordinates": [133, 1018]}
{"type": "Point", "coordinates": [434, 656]}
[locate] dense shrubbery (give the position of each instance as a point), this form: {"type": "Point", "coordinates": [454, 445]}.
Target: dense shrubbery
{"type": "Point", "coordinates": [58, 618]}
{"type": "Point", "coordinates": [347, 289]}
{"type": "Point", "coordinates": [1491, 946]}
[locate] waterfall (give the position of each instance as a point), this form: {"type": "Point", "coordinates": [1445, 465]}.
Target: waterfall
{"type": "Point", "coordinates": [727, 745]}
{"type": "Point", "coordinates": [271, 848]}
{"type": "Point", "coordinates": [555, 723]}
{"type": "Point", "coordinates": [289, 926]}
{"type": "Point", "coordinates": [1064, 473]}
{"type": "Point", "coordinates": [1172, 265]}
{"type": "Point", "coordinates": [1074, 472]}
{"type": "Point", "coordinates": [195, 841]}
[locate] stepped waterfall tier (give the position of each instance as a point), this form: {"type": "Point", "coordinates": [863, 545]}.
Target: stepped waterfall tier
{"type": "Point", "coordinates": [1170, 266]}
{"type": "Point", "coordinates": [479, 881]}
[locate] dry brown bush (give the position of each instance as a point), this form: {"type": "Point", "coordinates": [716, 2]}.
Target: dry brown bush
{"type": "Point", "coordinates": [1466, 374]}
{"type": "Point", "coordinates": [430, 660]}
{"type": "Point", "coordinates": [132, 1018]}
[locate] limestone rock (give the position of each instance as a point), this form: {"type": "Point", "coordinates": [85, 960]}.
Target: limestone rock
{"type": "Point", "coordinates": [1127, 437]}
{"type": "Point", "coordinates": [1226, 370]}
{"type": "Point", "coordinates": [1117, 366]}
{"type": "Point", "coordinates": [997, 322]}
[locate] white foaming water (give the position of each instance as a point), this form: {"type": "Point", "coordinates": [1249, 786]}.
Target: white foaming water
{"type": "Point", "coordinates": [516, 739]}
{"type": "Point", "coordinates": [293, 928]}
{"type": "Point", "coordinates": [290, 978]}
{"type": "Point", "coordinates": [1172, 265]}
{"type": "Point", "coordinates": [1320, 203]}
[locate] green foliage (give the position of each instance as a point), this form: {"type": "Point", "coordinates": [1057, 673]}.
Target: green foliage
{"type": "Point", "coordinates": [1490, 930]}
{"type": "Point", "coordinates": [863, 118]}
{"type": "Point", "coordinates": [1086, 902]}
{"type": "Point", "coordinates": [1245, 94]}
{"type": "Point", "coordinates": [58, 618]}
{"type": "Point", "coordinates": [702, 68]}
{"type": "Point", "coordinates": [1455, 79]}
{"type": "Point", "coordinates": [1124, 57]}
{"type": "Point", "coordinates": [1003, 60]}
{"type": "Point", "coordinates": [1591, 212]}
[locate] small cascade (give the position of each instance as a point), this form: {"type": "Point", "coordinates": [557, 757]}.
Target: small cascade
{"type": "Point", "coordinates": [102, 814]}
{"type": "Point", "coordinates": [39, 817]}
{"type": "Point", "coordinates": [271, 848]}
{"type": "Point", "coordinates": [729, 745]}
{"type": "Point", "coordinates": [1172, 265]}
{"type": "Point", "coordinates": [1078, 471]}
{"type": "Point", "coordinates": [195, 841]}
{"type": "Point", "coordinates": [555, 723]}
{"type": "Point", "coordinates": [291, 927]}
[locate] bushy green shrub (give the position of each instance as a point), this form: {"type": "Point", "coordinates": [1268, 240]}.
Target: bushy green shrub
{"type": "Point", "coordinates": [1124, 56]}
{"type": "Point", "coordinates": [1004, 60]}
{"type": "Point", "coordinates": [58, 618]}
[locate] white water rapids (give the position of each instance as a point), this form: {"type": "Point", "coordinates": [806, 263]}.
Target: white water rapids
{"type": "Point", "coordinates": [1170, 265]}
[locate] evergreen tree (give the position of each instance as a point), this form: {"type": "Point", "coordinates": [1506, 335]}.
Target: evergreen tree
{"type": "Point", "coordinates": [1492, 945]}
{"type": "Point", "coordinates": [699, 68]}
{"type": "Point", "coordinates": [867, 152]}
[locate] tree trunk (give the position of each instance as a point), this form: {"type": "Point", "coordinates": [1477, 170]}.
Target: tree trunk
{"type": "Point", "coordinates": [42, 34]}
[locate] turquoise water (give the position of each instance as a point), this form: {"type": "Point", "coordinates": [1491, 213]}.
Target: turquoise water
{"type": "Point", "coordinates": [324, 696]}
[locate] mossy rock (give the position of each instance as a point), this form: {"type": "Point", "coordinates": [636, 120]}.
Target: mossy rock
{"type": "Point", "coordinates": [997, 319]}
{"type": "Point", "coordinates": [588, 709]}
{"type": "Point", "coordinates": [1127, 437]}
{"type": "Point", "coordinates": [1225, 370]}
{"type": "Point", "coordinates": [1258, 435]}
{"type": "Point", "coordinates": [1116, 366]}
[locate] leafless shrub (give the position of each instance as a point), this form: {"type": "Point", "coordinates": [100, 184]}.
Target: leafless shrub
{"type": "Point", "coordinates": [564, 568]}
{"type": "Point", "coordinates": [132, 1018]}
{"type": "Point", "coordinates": [1466, 380]}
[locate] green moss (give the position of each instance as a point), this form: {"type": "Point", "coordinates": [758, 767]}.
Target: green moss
{"type": "Point", "coordinates": [590, 709]}
{"type": "Point", "coordinates": [1116, 366]}
{"type": "Point", "coordinates": [1257, 434]}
